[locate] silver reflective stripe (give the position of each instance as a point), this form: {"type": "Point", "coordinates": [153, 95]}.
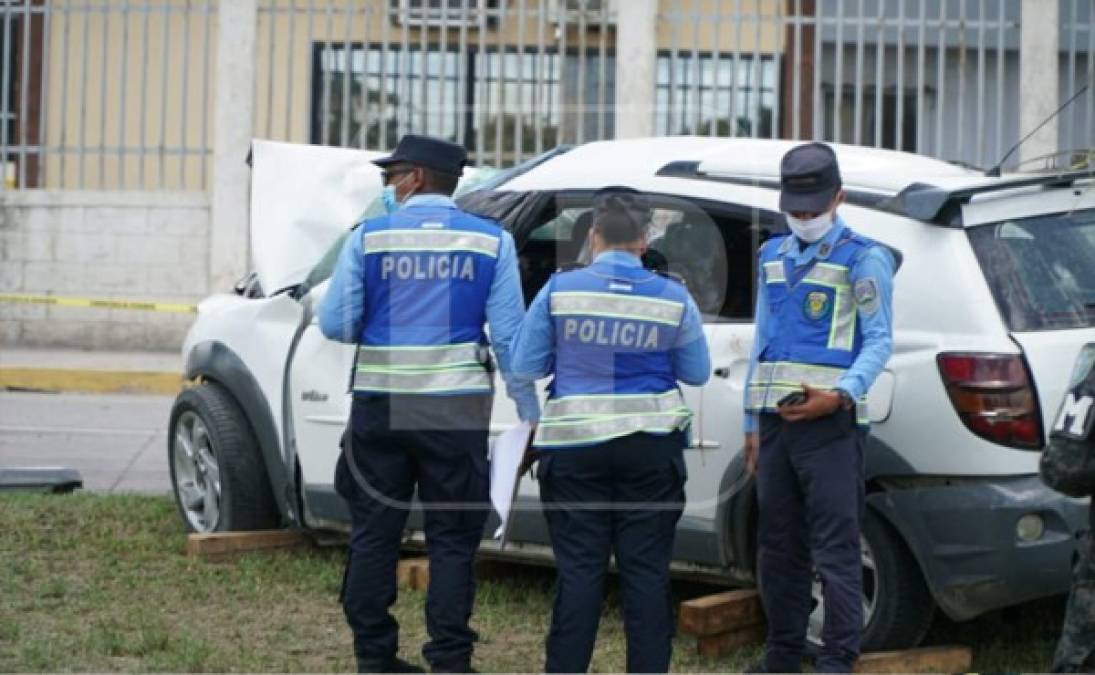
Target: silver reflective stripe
{"type": "Point", "coordinates": [827, 274]}
{"type": "Point", "coordinates": [773, 272]}
{"type": "Point", "coordinates": [794, 374]}
{"type": "Point", "coordinates": [596, 430]}
{"type": "Point", "coordinates": [422, 382]}
{"type": "Point", "coordinates": [403, 357]}
{"type": "Point", "coordinates": [614, 404]}
{"type": "Point", "coordinates": [565, 303]}
{"type": "Point", "coordinates": [772, 381]}
{"type": "Point", "coordinates": [388, 241]}
{"type": "Point", "coordinates": [842, 334]}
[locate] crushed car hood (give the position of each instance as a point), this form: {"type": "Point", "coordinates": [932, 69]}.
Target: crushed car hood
{"type": "Point", "coordinates": [303, 197]}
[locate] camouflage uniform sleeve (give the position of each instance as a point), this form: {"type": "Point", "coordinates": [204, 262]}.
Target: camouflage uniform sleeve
{"type": "Point", "coordinates": [1068, 462]}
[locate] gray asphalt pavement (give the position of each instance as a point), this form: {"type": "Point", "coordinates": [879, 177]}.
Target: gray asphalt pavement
{"type": "Point", "coordinates": [117, 442]}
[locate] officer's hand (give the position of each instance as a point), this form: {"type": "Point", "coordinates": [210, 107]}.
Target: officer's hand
{"type": "Point", "coordinates": [752, 451]}
{"type": "Point", "coordinates": [818, 403]}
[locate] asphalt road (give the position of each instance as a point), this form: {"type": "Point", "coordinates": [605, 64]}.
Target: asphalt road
{"type": "Point", "coordinates": [117, 442]}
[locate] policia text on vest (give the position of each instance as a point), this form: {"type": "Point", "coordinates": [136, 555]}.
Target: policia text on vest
{"type": "Point", "coordinates": [414, 291]}
{"type": "Point", "coordinates": [616, 339]}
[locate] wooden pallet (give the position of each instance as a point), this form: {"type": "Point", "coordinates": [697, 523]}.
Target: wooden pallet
{"type": "Point", "coordinates": [724, 621]}
{"type": "Point", "coordinates": [924, 660]}
{"type": "Point", "coordinates": [413, 573]}
{"type": "Point", "coordinates": [220, 545]}
{"type": "Point", "coordinates": [727, 621]}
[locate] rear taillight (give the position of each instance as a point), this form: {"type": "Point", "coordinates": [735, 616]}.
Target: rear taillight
{"type": "Point", "coordinates": [993, 395]}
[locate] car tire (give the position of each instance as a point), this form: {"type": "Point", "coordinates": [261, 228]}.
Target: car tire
{"type": "Point", "coordinates": [217, 472]}
{"type": "Point", "coordinates": [903, 607]}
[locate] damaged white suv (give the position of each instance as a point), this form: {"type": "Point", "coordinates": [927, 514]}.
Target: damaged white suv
{"type": "Point", "coordinates": [994, 300]}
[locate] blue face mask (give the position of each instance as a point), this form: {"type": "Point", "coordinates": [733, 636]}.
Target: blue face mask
{"type": "Point", "coordinates": [388, 197]}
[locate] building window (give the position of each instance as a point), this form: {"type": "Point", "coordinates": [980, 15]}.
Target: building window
{"type": "Point", "coordinates": [890, 135]}
{"type": "Point", "coordinates": [721, 94]}
{"type": "Point", "coordinates": [509, 104]}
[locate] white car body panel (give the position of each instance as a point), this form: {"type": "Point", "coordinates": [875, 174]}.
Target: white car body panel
{"type": "Point", "coordinates": [302, 198]}
{"type": "Point", "coordinates": [259, 331]}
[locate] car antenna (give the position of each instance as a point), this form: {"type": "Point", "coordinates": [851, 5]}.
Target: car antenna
{"type": "Point", "coordinates": [994, 172]}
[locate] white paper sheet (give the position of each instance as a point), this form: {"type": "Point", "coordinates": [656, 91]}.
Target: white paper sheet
{"type": "Point", "coordinates": [506, 454]}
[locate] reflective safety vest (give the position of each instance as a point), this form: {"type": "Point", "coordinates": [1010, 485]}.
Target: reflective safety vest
{"type": "Point", "coordinates": [427, 276]}
{"type": "Point", "coordinates": [811, 331]}
{"type": "Point", "coordinates": [614, 329]}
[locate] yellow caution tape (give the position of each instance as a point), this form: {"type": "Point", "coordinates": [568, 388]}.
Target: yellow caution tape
{"type": "Point", "coordinates": [98, 303]}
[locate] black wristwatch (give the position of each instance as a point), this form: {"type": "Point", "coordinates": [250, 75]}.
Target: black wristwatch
{"type": "Point", "coordinates": [846, 400]}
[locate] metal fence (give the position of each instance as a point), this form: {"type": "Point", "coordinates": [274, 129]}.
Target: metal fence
{"type": "Point", "coordinates": [118, 94]}
{"type": "Point", "coordinates": [106, 94]}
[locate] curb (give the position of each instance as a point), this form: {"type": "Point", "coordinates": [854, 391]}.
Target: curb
{"type": "Point", "coordinates": [88, 381]}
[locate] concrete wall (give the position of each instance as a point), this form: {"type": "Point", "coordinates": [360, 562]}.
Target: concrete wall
{"type": "Point", "coordinates": [118, 245]}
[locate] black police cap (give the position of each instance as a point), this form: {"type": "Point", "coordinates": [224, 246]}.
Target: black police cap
{"type": "Point", "coordinates": [809, 179]}
{"type": "Point", "coordinates": [425, 151]}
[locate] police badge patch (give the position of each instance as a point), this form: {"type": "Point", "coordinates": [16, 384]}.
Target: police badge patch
{"type": "Point", "coordinates": [817, 306]}
{"type": "Point", "coordinates": [866, 295]}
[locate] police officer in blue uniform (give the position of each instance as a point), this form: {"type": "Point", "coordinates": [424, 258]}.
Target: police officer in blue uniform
{"type": "Point", "coordinates": [617, 338]}
{"type": "Point", "coordinates": [823, 334]}
{"type": "Point", "coordinates": [414, 290]}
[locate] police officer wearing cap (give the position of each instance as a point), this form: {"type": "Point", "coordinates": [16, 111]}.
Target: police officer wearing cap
{"type": "Point", "coordinates": [414, 290]}
{"type": "Point", "coordinates": [616, 338]}
{"type": "Point", "coordinates": [823, 334]}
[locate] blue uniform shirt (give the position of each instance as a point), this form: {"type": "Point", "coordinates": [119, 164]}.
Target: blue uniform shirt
{"type": "Point", "coordinates": [534, 346]}
{"type": "Point", "coordinates": [877, 328]}
{"type": "Point", "coordinates": [342, 312]}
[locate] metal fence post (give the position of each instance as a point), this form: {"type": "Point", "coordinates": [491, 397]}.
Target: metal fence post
{"type": "Point", "coordinates": [636, 67]}
{"type": "Point", "coordinates": [1039, 66]}
{"type": "Point", "coordinates": [234, 113]}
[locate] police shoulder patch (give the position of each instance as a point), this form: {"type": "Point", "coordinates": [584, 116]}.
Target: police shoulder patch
{"type": "Point", "coordinates": [866, 295]}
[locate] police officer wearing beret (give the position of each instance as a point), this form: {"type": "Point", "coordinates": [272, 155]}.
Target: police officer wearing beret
{"type": "Point", "coordinates": [414, 290]}
{"type": "Point", "coordinates": [1068, 466]}
{"type": "Point", "coordinates": [823, 334]}
{"type": "Point", "coordinates": [616, 338]}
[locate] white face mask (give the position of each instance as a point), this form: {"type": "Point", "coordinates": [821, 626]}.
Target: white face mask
{"type": "Point", "coordinates": [811, 230]}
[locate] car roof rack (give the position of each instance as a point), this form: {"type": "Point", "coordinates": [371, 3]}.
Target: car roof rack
{"type": "Point", "coordinates": [943, 206]}
{"type": "Point", "coordinates": [854, 196]}
{"type": "Point", "coordinates": [920, 201]}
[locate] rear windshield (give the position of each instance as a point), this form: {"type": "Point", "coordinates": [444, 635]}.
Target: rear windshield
{"type": "Point", "coordinates": [1041, 270]}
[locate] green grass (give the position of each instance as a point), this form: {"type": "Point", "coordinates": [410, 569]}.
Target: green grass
{"type": "Point", "coordinates": [99, 583]}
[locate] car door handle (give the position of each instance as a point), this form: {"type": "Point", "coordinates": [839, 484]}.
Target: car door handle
{"type": "Point", "coordinates": [724, 373]}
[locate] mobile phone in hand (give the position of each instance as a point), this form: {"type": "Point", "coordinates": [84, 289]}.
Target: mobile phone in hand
{"type": "Point", "coordinates": [794, 398]}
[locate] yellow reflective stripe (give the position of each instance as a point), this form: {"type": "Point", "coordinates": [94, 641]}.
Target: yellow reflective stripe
{"type": "Point", "coordinates": [827, 274]}
{"type": "Point", "coordinates": [613, 404]}
{"type": "Point", "coordinates": [414, 356]}
{"type": "Point", "coordinates": [568, 303]}
{"type": "Point", "coordinates": [391, 241]}
{"type": "Point", "coordinates": [422, 382]}
{"type": "Point", "coordinates": [842, 332]}
{"type": "Point", "coordinates": [550, 433]}
{"type": "Point", "coordinates": [774, 273]}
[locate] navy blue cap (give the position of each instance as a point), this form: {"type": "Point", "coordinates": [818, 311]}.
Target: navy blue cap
{"type": "Point", "coordinates": [809, 179]}
{"type": "Point", "coordinates": [431, 153]}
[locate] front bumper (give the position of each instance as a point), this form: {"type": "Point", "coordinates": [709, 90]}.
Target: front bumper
{"type": "Point", "coordinates": [962, 531]}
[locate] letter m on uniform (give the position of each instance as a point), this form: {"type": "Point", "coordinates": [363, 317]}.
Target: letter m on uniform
{"type": "Point", "coordinates": [1074, 418]}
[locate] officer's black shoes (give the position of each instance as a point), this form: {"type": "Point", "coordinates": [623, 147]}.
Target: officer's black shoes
{"type": "Point", "coordinates": [761, 666]}
{"type": "Point", "coordinates": [396, 665]}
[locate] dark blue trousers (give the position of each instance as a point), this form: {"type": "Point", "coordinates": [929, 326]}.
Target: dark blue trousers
{"type": "Point", "coordinates": [810, 493]}
{"type": "Point", "coordinates": [622, 497]}
{"type": "Point", "coordinates": [439, 444]}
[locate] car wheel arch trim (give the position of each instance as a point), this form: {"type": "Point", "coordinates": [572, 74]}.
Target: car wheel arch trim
{"type": "Point", "coordinates": [215, 361]}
